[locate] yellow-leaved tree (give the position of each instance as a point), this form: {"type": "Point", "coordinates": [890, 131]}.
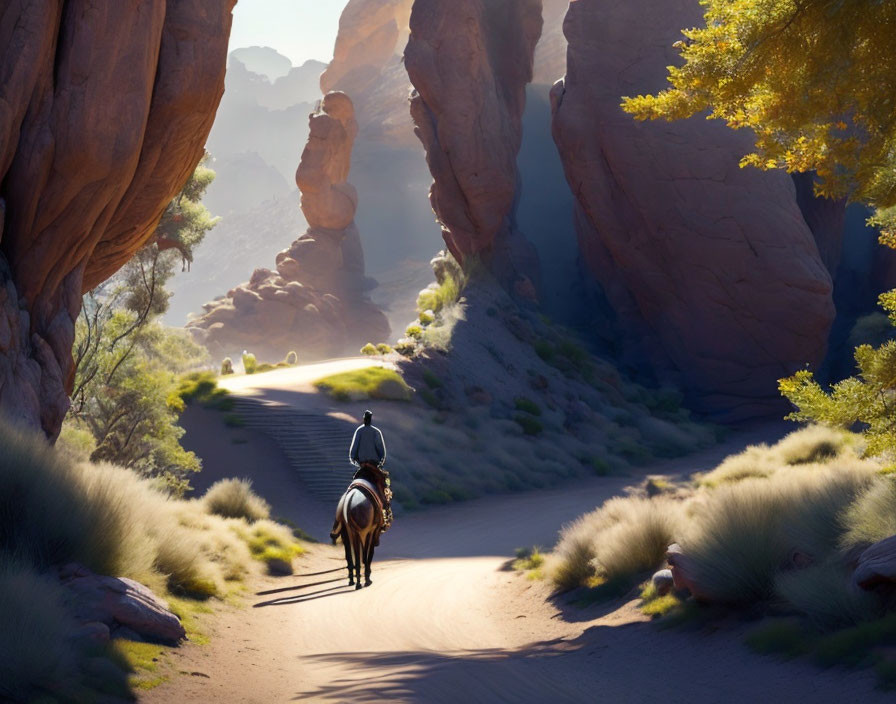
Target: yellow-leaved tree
{"type": "Point", "coordinates": [815, 80]}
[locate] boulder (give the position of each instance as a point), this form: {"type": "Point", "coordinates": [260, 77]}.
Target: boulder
{"type": "Point", "coordinates": [118, 603]}
{"type": "Point", "coordinates": [876, 565]}
{"type": "Point", "coordinates": [683, 569]}
{"type": "Point", "coordinates": [663, 582]}
{"type": "Point", "coordinates": [713, 275]}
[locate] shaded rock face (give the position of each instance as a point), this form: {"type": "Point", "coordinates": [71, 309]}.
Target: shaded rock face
{"type": "Point", "coordinates": [81, 192]}
{"type": "Point", "coordinates": [711, 270]}
{"type": "Point", "coordinates": [315, 301]}
{"type": "Point", "coordinates": [469, 63]}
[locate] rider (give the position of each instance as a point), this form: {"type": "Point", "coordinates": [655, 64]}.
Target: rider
{"type": "Point", "coordinates": [368, 453]}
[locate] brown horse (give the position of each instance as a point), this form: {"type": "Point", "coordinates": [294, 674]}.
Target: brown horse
{"type": "Point", "coordinates": [360, 527]}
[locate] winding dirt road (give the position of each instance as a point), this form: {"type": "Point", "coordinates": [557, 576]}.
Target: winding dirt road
{"type": "Point", "coordinates": [445, 621]}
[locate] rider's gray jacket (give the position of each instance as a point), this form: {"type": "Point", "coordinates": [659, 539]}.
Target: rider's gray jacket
{"type": "Point", "coordinates": [367, 445]}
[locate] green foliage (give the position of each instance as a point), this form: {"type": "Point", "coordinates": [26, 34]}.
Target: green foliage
{"type": "Point", "coordinates": [437, 296]}
{"type": "Point", "coordinates": [406, 347]}
{"type": "Point", "coordinates": [431, 380]}
{"type": "Point", "coordinates": [528, 559]}
{"type": "Point", "coordinates": [226, 366]}
{"type": "Point", "coordinates": [234, 498]}
{"type": "Point", "coordinates": [654, 604]}
{"type": "Point", "coordinates": [265, 367]}
{"type": "Point", "coordinates": [866, 399]}
{"type": "Point", "coordinates": [383, 348]}
{"type": "Point", "coordinates": [250, 363]}
{"type": "Point", "coordinates": [751, 60]}
{"type": "Point", "coordinates": [127, 362]}
{"type": "Point", "coordinates": [527, 405]}
{"type": "Point", "coordinates": [427, 316]}
{"type": "Point", "coordinates": [202, 387]}
{"type": "Point", "coordinates": [272, 544]}
{"type": "Point", "coordinates": [530, 425]}
{"type": "Point", "coordinates": [369, 349]}
{"type": "Point", "coordinates": [371, 382]}
{"type": "Point", "coordinates": [414, 331]}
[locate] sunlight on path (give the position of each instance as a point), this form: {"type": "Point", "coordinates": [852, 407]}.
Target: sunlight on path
{"type": "Point", "coordinates": [298, 378]}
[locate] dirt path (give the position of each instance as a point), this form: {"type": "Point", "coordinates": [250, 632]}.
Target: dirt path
{"type": "Point", "coordinates": [446, 622]}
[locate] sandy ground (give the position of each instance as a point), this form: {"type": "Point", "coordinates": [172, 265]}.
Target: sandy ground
{"type": "Point", "coordinates": [446, 621]}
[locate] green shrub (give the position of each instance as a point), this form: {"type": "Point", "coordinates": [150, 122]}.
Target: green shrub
{"type": "Point", "coordinates": [226, 366]}
{"type": "Point", "coordinates": [369, 349]}
{"type": "Point", "coordinates": [440, 295]}
{"type": "Point", "coordinates": [250, 363]}
{"type": "Point", "coordinates": [292, 358]}
{"type": "Point", "coordinates": [528, 559]}
{"type": "Point", "coordinates": [264, 367]}
{"type": "Point", "coordinates": [431, 380]}
{"type": "Point", "coordinates": [234, 498]}
{"type": "Point", "coordinates": [406, 347]}
{"type": "Point", "coordinates": [872, 516]}
{"type": "Point", "coordinates": [202, 387]}
{"type": "Point", "coordinates": [427, 317]}
{"type": "Point", "coordinates": [527, 406]}
{"type": "Point", "coordinates": [271, 543]}
{"type": "Point", "coordinates": [383, 348]}
{"type": "Point", "coordinates": [370, 382]}
{"type": "Point", "coordinates": [414, 331]}
{"type": "Point", "coordinates": [530, 425]}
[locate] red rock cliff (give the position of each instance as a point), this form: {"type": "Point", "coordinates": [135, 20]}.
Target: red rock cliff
{"type": "Point", "coordinates": [104, 111]}
{"type": "Point", "coordinates": [469, 62]}
{"type": "Point", "coordinates": [712, 267]}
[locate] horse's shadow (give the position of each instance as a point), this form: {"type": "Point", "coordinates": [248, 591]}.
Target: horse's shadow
{"type": "Point", "coordinates": [307, 596]}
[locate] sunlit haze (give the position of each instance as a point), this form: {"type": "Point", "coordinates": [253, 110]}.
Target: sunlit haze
{"type": "Point", "coordinates": [298, 29]}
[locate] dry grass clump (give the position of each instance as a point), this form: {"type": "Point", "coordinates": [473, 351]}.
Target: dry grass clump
{"type": "Point", "coordinates": [872, 516]}
{"type": "Point", "coordinates": [740, 535]}
{"type": "Point", "coordinates": [234, 498]}
{"type": "Point", "coordinates": [54, 511]}
{"type": "Point", "coordinates": [271, 543]}
{"type": "Point", "coordinates": [33, 642]}
{"type": "Point", "coordinates": [814, 444]}
{"type": "Point", "coordinates": [616, 543]}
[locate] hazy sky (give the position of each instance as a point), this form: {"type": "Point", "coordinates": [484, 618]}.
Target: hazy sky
{"type": "Point", "coordinates": [298, 29]}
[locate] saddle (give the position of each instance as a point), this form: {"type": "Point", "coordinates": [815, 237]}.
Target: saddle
{"type": "Point", "coordinates": [372, 480]}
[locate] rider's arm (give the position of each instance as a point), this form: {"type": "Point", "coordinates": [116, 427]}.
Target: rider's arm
{"type": "Point", "coordinates": [380, 447]}
{"type": "Point", "coordinates": [353, 451]}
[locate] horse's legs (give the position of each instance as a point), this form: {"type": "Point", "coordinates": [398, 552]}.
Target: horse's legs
{"type": "Point", "coordinates": [357, 555]}
{"type": "Point", "coordinates": [346, 543]}
{"type": "Point", "coordinates": [368, 556]}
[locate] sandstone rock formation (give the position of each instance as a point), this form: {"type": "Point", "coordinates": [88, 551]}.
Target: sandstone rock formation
{"type": "Point", "coordinates": [104, 111]}
{"type": "Point", "coordinates": [470, 62]}
{"type": "Point", "coordinates": [315, 302]}
{"type": "Point", "coordinates": [710, 269]}
{"type": "Point", "coordinates": [550, 53]}
{"type": "Point", "coordinates": [367, 65]}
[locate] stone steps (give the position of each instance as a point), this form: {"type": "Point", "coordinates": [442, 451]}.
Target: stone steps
{"type": "Point", "coordinates": [315, 445]}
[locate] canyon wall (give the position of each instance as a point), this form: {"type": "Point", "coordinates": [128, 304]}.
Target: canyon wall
{"type": "Point", "coordinates": [315, 301]}
{"type": "Point", "coordinates": [469, 63]}
{"type": "Point", "coordinates": [104, 111]}
{"type": "Point", "coordinates": [714, 277]}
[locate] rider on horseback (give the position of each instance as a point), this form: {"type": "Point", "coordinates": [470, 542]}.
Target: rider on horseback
{"type": "Point", "coordinates": [368, 453]}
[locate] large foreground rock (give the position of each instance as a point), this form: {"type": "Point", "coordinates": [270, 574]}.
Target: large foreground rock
{"type": "Point", "coordinates": [712, 273]}
{"type": "Point", "coordinates": [118, 603]}
{"type": "Point", "coordinates": [104, 112]}
{"type": "Point", "coordinates": [877, 564]}
{"type": "Point", "coordinates": [315, 301]}
{"type": "Point", "coordinates": [469, 62]}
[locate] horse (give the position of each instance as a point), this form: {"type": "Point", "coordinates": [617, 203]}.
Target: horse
{"type": "Point", "coordinates": [360, 527]}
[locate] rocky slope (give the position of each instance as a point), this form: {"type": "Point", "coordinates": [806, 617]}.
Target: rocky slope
{"type": "Point", "coordinates": [81, 192]}
{"type": "Point", "coordinates": [711, 270]}
{"type": "Point", "coordinates": [469, 63]}
{"type": "Point", "coordinates": [315, 301]}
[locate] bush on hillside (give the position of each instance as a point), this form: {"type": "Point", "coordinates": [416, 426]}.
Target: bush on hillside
{"type": "Point", "coordinates": [369, 349]}
{"type": "Point", "coordinates": [226, 366]}
{"type": "Point", "coordinates": [370, 382]}
{"type": "Point", "coordinates": [250, 363]}
{"type": "Point", "coordinates": [292, 358]}
{"type": "Point", "coordinates": [234, 498]}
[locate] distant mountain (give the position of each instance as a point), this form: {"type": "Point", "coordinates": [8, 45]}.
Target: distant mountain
{"type": "Point", "coordinates": [263, 60]}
